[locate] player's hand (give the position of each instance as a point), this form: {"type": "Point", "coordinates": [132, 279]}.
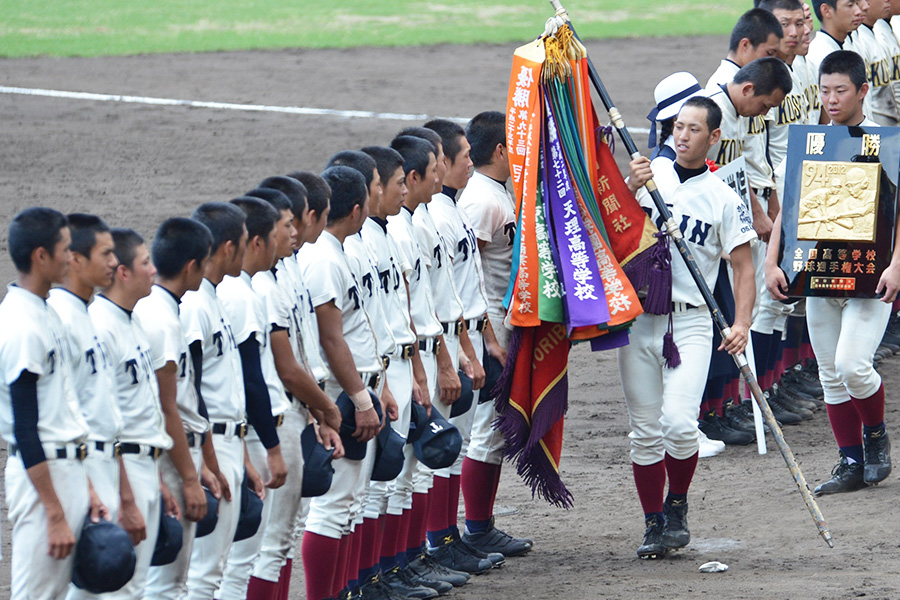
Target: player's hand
{"type": "Point", "coordinates": [496, 351]}
{"type": "Point", "coordinates": [736, 340]}
{"type": "Point", "coordinates": [639, 173]}
{"type": "Point", "coordinates": [776, 282]}
{"type": "Point", "coordinates": [194, 500]}
{"type": "Point", "coordinates": [332, 417]}
{"type": "Point", "coordinates": [330, 438]}
{"type": "Point", "coordinates": [762, 224]}
{"type": "Point", "coordinates": [477, 375]}
{"type": "Point", "coordinates": [255, 481]}
{"type": "Point", "coordinates": [389, 406]}
{"type": "Point", "coordinates": [448, 380]}
{"type": "Point", "coordinates": [170, 505]}
{"type": "Point", "coordinates": [132, 521]}
{"type": "Point", "coordinates": [98, 509]}
{"type": "Point", "coordinates": [367, 425]}
{"type": "Point", "coordinates": [277, 468]}
{"type": "Point", "coordinates": [60, 540]}
{"type": "Point", "coordinates": [216, 483]}
{"type": "Point", "coordinates": [421, 396]}
{"type": "Point", "coordinates": [889, 283]}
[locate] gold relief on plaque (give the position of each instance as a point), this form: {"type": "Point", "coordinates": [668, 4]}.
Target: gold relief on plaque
{"type": "Point", "coordinates": [838, 201]}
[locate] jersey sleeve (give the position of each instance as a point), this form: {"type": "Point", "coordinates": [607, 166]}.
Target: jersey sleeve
{"type": "Point", "coordinates": [194, 321]}
{"type": "Point", "coordinates": [737, 225]}
{"type": "Point", "coordinates": [484, 217]}
{"type": "Point", "coordinates": [275, 299]}
{"type": "Point", "coordinates": [240, 310]}
{"type": "Point", "coordinates": [21, 351]}
{"type": "Point", "coordinates": [324, 281]}
{"type": "Point", "coordinates": [164, 343]}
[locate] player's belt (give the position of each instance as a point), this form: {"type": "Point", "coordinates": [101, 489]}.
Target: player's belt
{"type": "Point", "coordinates": [385, 362]}
{"type": "Point", "coordinates": [279, 420]}
{"type": "Point", "coordinates": [140, 449]}
{"type": "Point", "coordinates": [680, 307]}
{"type": "Point", "coordinates": [371, 379]}
{"type": "Point", "coordinates": [230, 429]}
{"type": "Point", "coordinates": [321, 385]}
{"type": "Point", "coordinates": [432, 344]}
{"type": "Point", "coordinates": [476, 324]}
{"type": "Point", "coordinates": [454, 326]}
{"type": "Point", "coordinates": [404, 351]}
{"type": "Point", "coordinates": [53, 451]}
{"type": "Point", "coordinates": [762, 193]}
{"type": "Point", "coordinates": [107, 449]}
{"type": "Point", "coordinates": [195, 440]}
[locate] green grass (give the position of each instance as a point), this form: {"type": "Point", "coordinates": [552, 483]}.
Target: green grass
{"type": "Point", "coordinates": [116, 27]}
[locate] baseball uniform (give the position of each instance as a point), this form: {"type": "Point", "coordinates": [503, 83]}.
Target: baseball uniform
{"type": "Point", "coordinates": [879, 102]}
{"type": "Point", "coordinates": [891, 48]}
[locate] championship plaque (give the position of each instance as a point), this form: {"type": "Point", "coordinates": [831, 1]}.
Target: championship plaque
{"type": "Point", "coordinates": [838, 210]}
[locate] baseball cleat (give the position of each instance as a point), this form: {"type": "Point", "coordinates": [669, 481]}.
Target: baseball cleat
{"type": "Point", "coordinates": [497, 559]}
{"type": "Point", "coordinates": [401, 585]}
{"type": "Point", "coordinates": [675, 533]}
{"type": "Point", "coordinates": [845, 477]}
{"type": "Point", "coordinates": [653, 547]}
{"type": "Point", "coordinates": [454, 557]}
{"type": "Point", "coordinates": [441, 587]}
{"type": "Point", "coordinates": [782, 414]}
{"type": "Point", "coordinates": [497, 540]}
{"type": "Point", "coordinates": [425, 566]}
{"type": "Point", "coordinates": [877, 464]}
{"type": "Point", "coordinates": [716, 428]}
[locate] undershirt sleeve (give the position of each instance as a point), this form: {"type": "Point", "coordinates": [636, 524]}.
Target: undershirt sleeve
{"type": "Point", "coordinates": [258, 403]}
{"type": "Point", "coordinates": [23, 393]}
{"type": "Point", "coordinates": [197, 360]}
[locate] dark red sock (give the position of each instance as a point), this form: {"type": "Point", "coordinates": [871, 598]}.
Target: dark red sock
{"type": "Point", "coordinates": [478, 485]}
{"type": "Point", "coordinates": [497, 473]}
{"type": "Point", "coordinates": [368, 542]}
{"type": "Point", "coordinates": [402, 536]}
{"type": "Point", "coordinates": [846, 424]}
{"type": "Point", "coordinates": [260, 589]}
{"type": "Point", "coordinates": [453, 500]}
{"type": "Point", "coordinates": [650, 481]}
{"type": "Point", "coordinates": [391, 535]}
{"type": "Point", "coordinates": [417, 519]}
{"type": "Point", "coordinates": [320, 562]}
{"type": "Point", "coordinates": [338, 581]}
{"type": "Point", "coordinates": [356, 550]}
{"type": "Point", "coordinates": [439, 497]}
{"type": "Point", "coordinates": [680, 473]}
{"type": "Point", "coordinates": [375, 551]}
{"type": "Point", "coordinates": [871, 409]}
{"type": "Point", "coordinates": [716, 405]}
{"type": "Point", "coordinates": [790, 357]}
{"type": "Point", "coordinates": [284, 580]}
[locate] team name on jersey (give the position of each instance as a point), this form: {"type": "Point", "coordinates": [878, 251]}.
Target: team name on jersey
{"type": "Point", "coordinates": [699, 230]}
{"type": "Point", "coordinates": [895, 67]}
{"type": "Point", "coordinates": [756, 125]}
{"type": "Point", "coordinates": [140, 367]}
{"type": "Point", "coordinates": [880, 73]}
{"type": "Point", "coordinates": [438, 255]}
{"type": "Point", "coordinates": [812, 97]}
{"type": "Point", "coordinates": [729, 150]}
{"type": "Point", "coordinates": [225, 336]}
{"type": "Point", "coordinates": [792, 109]}
{"type": "Point", "coordinates": [98, 353]}
{"type": "Point", "coordinates": [468, 244]}
{"type": "Point", "coordinates": [510, 231]}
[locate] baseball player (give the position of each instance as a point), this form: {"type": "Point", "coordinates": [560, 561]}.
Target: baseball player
{"type": "Point", "coordinates": [92, 266]}
{"type": "Point", "coordinates": [881, 104]}
{"type": "Point", "coordinates": [663, 402]}
{"type": "Point", "coordinates": [46, 488]}
{"type": "Point", "coordinates": [839, 18]}
{"type": "Point", "coordinates": [885, 35]}
{"type": "Point", "coordinates": [846, 331]}
{"type": "Point", "coordinates": [220, 386]}
{"type": "Point", "coordinates": [180, 251]}
{"type": "Point", "coordinates": [351, 351]}
{"type": "Point", "coordinates": [143, 438]}
{"type": "Point", "coordinates": [267, 232]}
{"type": "Point", "coordinates": [491, 212]}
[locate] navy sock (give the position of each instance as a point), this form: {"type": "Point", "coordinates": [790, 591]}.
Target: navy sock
{"type": "Point", "coordinates": [365, 574]}
{"type": "Point", "coordinates": [673, 498]}
{"type": "Point", "coordinates": [866, 430]}
{"type": "Point", "coordinates": [455, 531]}
{"type": "Point", "coordinates": [436, 538]}
{"type": "Point", "coordinates": [477, 526]}
{"type": "Point", "coordinates": [414, 552]}
{"type": "Point", "coordinates": [658, 515]}
{"type": "Point", "coordinates": [853, 453]}
{"type": "Point", "coordinates": [387, 563]}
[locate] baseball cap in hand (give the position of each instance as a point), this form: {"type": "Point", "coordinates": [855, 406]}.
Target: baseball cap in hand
{"type": "Point", "coordinates": [466, 395]}
{"type": "Point", "coordinates": [251, 512]}
{"type": "Point", "coordinates": [104, 557]}
{"type": "Point", "coordinates": [440, 443]}
{"type": "Point", "coordinates": [207, 524]}
{"type": "Point", "coordinates": [388, 454]}
{"type": "Point", "coordinates": [353, 448]}
{"type": "Point", "coordinates": [418, 420]}
{"type": "Point", "coordinates": [168, 541]}
{"type": "Point", "coordinates": [317, 468]}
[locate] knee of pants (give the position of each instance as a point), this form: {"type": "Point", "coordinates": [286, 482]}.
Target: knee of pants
{"type": "Point", "coordinates": [857, 374]}
{"type": "Point", "coordinates": [646, 449]}
{"type": "Point", "coordinates": [376, 500]}
{"type": "Point", "coordinates": [681, 439]}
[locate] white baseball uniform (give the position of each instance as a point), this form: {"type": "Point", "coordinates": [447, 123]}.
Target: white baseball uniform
{"type": "Point", "coordinates": [891, 48]}
{"type": "Point", "coordinates": [32, 339]}
{"type": "Point", "coordinates": [793, 110]}
{"type": "Point", "coordinates": [143, 425]}
{"type": "Point", "coordinates": [663, 404]}
{"type": "Point", "coordinates": [880, 99]}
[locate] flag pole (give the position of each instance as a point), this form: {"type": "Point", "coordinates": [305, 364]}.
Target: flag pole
{"type": "Point", "coordinates": [674, 231]}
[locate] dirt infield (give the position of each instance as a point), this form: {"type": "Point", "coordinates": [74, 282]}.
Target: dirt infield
{"type": "Point", "coordinates": [135, 165]}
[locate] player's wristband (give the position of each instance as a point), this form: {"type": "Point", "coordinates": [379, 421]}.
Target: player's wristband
{"type": "Point", "coordinates": [361, 400]}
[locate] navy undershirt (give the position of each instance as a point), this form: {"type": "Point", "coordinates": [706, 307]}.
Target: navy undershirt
{"type": "Point", "coordinates": [258, 403]}
{"type": "Point", "coordinates": [684, 173]}
{"type": "Point", "coordinates": [23, 395]}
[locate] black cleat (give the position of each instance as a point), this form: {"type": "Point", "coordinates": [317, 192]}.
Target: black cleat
{"type": "Point", "coordinates": [738, 420]}
{"type": "Point", "coordinates": [877, 465]}
{"type": "Point", "coordinates": [782, 414]}
{"type": "Point", "coordinates": [441, 587]}
{"type": "Point", "coordinates": [497, 540]}
{"type": "Point", "coordinates": [717, 428]}
{"type": "Point", "coordinates": [790, 403]}
{"type": "Point", "coordinates": [653, 546]}
{"type": "Point", "coordinates": [497, 559]}
{"type": "Point", "coordinates": [453, 556]}
{"type": "Point", "coordinates": [375, 589]}
{"type": "Point", "coordinates": [401, 585]}
{"type": "Point", "coordinates": [845, 477]}
{"type": "Point", "coordinates": [675, 533]}
{"type": "Point", "coordinates": [425, 566]}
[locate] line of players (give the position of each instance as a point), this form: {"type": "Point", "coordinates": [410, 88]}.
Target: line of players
{"type": "Point", "coordinates": [203, 357]}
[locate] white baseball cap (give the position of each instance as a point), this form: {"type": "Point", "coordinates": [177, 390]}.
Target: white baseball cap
{"type": "Point", "coordinates": [672, 92]}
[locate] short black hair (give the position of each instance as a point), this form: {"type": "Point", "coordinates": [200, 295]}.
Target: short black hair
{"type": "Point", "coordinates": [844, 62]}
{"type": "Point", "coordinates": [84, 229]}
{"type": "Point", "coordinates": [450, 133]}
{"type": "Point", "coordinates": [274, 197]}
{"type": "Point", "coordinates": [261, 216]}
{"type": "Point", "coordinates": [125, 244]}
{"type": "Point", "coordinates": [318, 192]}
{"type": "Point", "coordinates": [348, 189]}
{"type": "Point", "coordinates": [817, 7]}
{"type": "Point", "coordinates": [177, 242]}
{"type": "Point", "coordinates": [387, 161]}
{"type": "Point", "coordinates": [773, 5]}
{"type": "Point", "coordinates": [767, 75]}
{"type": "Point", "coordinates": [225, 222]}
{"type": "Point", "coordinates": [294, 190]}
{"type": "Point", "coordinates": [484, 132]}
{"type": "Point", "coordinates": [355, 159]}
{"type": "Point", "coordinates": [713, 112]}
{"type": "Point", "coordinates": [425, 133]}
{"type": "Point", "coordinates": [414, 151]}
{"type": "Point", "coordinates": [33, 228]}
{"type": "Point", "coordinates": [756, 25]}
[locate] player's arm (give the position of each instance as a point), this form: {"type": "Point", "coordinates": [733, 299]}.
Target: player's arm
{"type": "Point", "coordinates": [889, 282]}
{"type": "Point", "coordinates": [744, 297]}
{"type": "Point", "coordinates": [299, 382]}
{"type": "Point", "coordinates": [210, 474]}
{"type": "Point", "coordinates": [762, 224]}
{"type": "Point", "coordinates": [420, 379]}
{"type": "Point", "coordinates": [130, 517]}
{"type": "Point", "coordinates": [448, 378]}
{"type": "Point", "coordinates": [23, 395]}
{"type": "Point", "coordinates": [340, 360]}
{"type": "Point", "coordinates": [468, 350]}
{"type": "Point", "coordinates": [776, 282]}
{"type": "Point", "coordinates": [491, 344]}
{"type": "Point", "coordinates": [194, 496]}
{"type": "Point", "coordinates": [259, 410]}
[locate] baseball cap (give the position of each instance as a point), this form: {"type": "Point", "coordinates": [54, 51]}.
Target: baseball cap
{"type": "Point", "coordinates": [440, 443]}
{"type": "Point", "coordinates": [207, 524]}
{"type": "Point", "coordinates": [317, 468]}
{"type": "Point", "coordinates": [104, 557]}
{"type": "Point", "coordinates": [466, 395]}
{"type": "Point", "coordinates": [251, 512]}
{"type": "Point", "coordinates": [670, 94]}
{"type": "Point", "coordinates": [388, 454]}
{"type": "Point", "coordinates": [492, 371]}
{"type": "Point", "coordinates": [353, 448]}
{"type": "Point", "coordinates": [168, 541]}
{"type": "Point", "coordinates": [418, 419]}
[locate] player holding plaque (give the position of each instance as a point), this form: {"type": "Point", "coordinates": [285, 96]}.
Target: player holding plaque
{"type": "Point", "coordinates": [841, 251]}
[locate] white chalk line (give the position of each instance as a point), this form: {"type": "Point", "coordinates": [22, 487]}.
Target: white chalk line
{"type": "Point", "coordinates": [294, 110]}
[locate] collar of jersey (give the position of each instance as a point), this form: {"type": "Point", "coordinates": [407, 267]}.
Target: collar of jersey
{"type": "Point", "coordinates": [127, 312]}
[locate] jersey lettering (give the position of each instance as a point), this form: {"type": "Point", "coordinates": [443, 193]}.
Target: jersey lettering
{"type": "Point", "coordinates": [89, 359]}
{"type": "Point", "coordinates": [437, 256]}
{"type": "Point", "coordinates": [729, 150]}
{"type": "Point", "coordinates": [878, 73]}
{"type": "Point", "coordinates": [510, 230]}
{"type": "Point", "coordinates": [756, 126]}
{"type": "Point", "coordinates": [463, 246]}
{"type": "Point", "coordinates": [51, 358]}
{"type": "Point", "coordinates": [792, 109]}
{"type": "Point", "coordinates": [131, 367]}
{"type": "Point", "coordinates": [182, 362]}
{"type": "Point", "coordinates": [217, 340]}
{"type": "Point", "coordinates": [354, 293]}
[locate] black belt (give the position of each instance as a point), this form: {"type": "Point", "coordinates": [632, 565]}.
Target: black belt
{"type": "Point", "coordinates": [240, 429]}
{"type": "Point", "coordinates": [129, 448]}
{"type": "Point", "coordinates": [762, 193]}
{"type": "Point", "coordinates": [432, 345]}
{"type": "Point", "coordinates": [405, 351]}
{"type": "Point", "coordinates": [192, 437]}
{"type": "Point", "coordinates": [454, 326]}
{"type": "Point", "coordinates": [80, 452]}
{"type": "Point", "coordinates": [370, 380]}
{"type": "Point", "coordinates": [322, 385]}
{"type": "Point", "coordinates": [476, 324]}
{"type": "Point", "coordinates": [279, 420]}
{"type": "Point", "coordinates": [385, 362]}
{"type": "Point", "coordinates": [101, 447]}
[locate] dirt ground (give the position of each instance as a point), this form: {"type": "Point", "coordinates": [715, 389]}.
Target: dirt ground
{"type": "Point", "coordinates": [136, 165]}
